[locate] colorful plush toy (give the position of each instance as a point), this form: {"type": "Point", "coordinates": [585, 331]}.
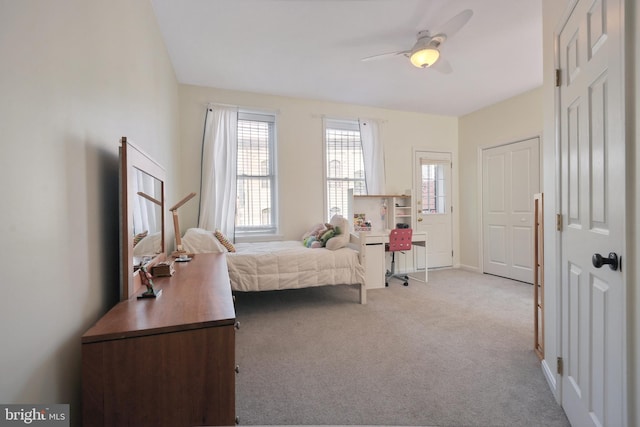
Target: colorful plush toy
{"type": "Point", "coordinates": [312, 242]}
{"type": "Point", "coordinates": [329, 233]}
{"type": "Point", "coordinates": [310, 238]}
{"type": "Point", "coordinates": [318, 236]}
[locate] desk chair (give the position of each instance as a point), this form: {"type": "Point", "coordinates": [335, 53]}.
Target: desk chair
{"type": "Point", "coordinates": [399, 241]}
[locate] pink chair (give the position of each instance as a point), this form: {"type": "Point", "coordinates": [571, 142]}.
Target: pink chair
{"type": "Point", "coordinates": [399, 241]}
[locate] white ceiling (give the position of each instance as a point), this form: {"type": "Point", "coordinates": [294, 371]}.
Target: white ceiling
{"type": "Point", "coordinates": [313, 49]}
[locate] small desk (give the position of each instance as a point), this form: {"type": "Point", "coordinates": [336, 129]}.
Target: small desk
{"type": "Point", "coordinates": [372, 254]}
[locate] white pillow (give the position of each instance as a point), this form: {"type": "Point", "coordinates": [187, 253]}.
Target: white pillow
{"type": "Point", "coordinates": [342, 239]}
{"type": "Point", "coordinates": [200, 241]}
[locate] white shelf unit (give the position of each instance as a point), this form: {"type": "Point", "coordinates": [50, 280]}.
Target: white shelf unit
{"type": "Point", "coordinates": [397, 209]}
{"type": "Point", "coordinates": [401, 211]}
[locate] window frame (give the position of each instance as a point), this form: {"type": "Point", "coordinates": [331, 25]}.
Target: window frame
{"type": "Point", "coordinates": [344, 125]}
{"type": "Point", "coordinates": [248, 232]}
{"type": "Point", "coordinates": [437, 196]}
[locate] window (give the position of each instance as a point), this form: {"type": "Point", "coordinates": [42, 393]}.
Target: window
{"type": "Point", "coordinates": [344, 165]}
{"type": "Point", "coordinates": [433, 189]}
{"type": "Point", "coordinates": [256, 180]}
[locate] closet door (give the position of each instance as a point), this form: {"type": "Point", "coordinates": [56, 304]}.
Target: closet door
{"type": "Point", "coordinates": [510, 178]}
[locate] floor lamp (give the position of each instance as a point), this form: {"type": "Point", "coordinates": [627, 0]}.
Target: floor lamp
{"type": "Point", "coordinates": [176, 226]}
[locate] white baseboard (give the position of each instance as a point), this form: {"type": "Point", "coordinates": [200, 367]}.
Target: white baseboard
{"type": "Point", "coordinates": [470, 268]}
{"type": "Point", "coordinates": [551, 379]}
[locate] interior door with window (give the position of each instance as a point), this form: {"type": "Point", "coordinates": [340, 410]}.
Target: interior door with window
{"type": "Point", "coordinates": [592, 164]}
{"type": "Point", "coordinates": [433, 207]}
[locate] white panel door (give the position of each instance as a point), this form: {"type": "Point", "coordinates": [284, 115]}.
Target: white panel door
{"type": "Point", "coordinates": [592, 149]}
{"type": "Point", "coordinates": [510, 178]}
{"type": "Point", "coordinates": [433, 208]}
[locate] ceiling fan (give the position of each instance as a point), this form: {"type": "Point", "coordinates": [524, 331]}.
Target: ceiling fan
{"type": "Point", "coordinates": [425, 53]}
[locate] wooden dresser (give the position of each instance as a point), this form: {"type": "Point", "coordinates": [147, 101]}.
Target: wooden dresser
{"type": "Point", "coordinates": [168, 361]}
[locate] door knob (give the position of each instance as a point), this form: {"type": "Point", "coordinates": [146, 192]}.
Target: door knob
{"type": "Point", "coordinates": [598, 260]}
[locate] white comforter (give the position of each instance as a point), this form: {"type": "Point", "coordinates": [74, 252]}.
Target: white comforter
{"type": "Point", "coordinates": [289, 265]}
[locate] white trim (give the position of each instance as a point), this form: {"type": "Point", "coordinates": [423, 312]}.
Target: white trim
{"type": "Point", "coordinates": [557, 262]}
{"type": "Point", "coordinates": [480, 198]}
{"type": "Point", "coordinates": [323, 134]}
{"type": "Point", "coordinates": [271, 119]}
{"type": "Point", "coordinates": [256, 116]}
{"type": "Point", "coordinates": [551, 379]}
{"type": "Point", "coordinates": [470, 268]}
{"type": "Point", "coordinates": [342, 124]}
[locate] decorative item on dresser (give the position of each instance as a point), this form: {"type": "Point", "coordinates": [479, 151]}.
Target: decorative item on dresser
{"type": "Point", "coordinates": [167, 361]}
{"type": "Point", "coordinates": [147, 280]}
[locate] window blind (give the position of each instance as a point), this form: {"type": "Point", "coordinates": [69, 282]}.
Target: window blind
{"type": "Point", "coordinates": [344, 165]}
{"type": "Point", "coordinates": [255, 211]}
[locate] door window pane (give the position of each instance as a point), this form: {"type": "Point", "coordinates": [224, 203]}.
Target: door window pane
{"type": "Point", "coordinates": [433, 188]}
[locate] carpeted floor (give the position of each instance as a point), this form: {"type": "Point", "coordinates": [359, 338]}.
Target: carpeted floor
{"type": "Point", "coordinates": [456, 351]}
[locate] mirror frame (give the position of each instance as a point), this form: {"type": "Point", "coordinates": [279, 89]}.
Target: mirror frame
{"type": "Point", "coordinates": [131, 158]}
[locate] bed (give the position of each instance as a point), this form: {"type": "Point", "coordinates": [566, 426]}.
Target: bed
{"type": "Point", "coordinates": [278, 265]}
{"type": "Point", "coordinates": [289, 264]}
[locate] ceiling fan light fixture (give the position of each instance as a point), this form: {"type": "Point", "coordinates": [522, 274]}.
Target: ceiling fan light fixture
{"type": "Point", "coordinates": [423, 58]}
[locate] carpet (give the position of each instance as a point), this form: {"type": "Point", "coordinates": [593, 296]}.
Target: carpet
{"type": "Point", "coordinates": [455, 351]}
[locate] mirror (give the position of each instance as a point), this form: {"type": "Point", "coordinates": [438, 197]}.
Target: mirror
{"type": "Point", "coordinates": [142, 231]}
{"type": "Point", "coordinates": [147, 214]}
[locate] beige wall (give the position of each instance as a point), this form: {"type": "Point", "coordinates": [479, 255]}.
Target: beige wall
{"type": "Point", "coordinates": [300, 145]}
{"type": "Point", "coordinates": [513, 120]}
{"type": "Point", "coordinates": [75, 76]}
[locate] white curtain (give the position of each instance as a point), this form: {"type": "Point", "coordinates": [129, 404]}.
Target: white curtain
{"type": "Point", "coordinates": [219, 154]}
{"type": "Point", "coordinates": [373, 156]}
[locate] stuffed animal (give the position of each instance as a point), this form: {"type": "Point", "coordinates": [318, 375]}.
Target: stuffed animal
{"type": "Point", "coordinates": [310, 238]}
{"type": "Point", "coordinates": [329, 233]}
{"type": "Point", "coordinates": [312, 242]}
{"type": "Point", "coordinates": [318, 236]}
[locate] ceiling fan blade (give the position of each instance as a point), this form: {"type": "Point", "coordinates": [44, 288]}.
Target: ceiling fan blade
{"type": "Point", "coordinates": [454, 24]}
{"type": "Point", "coordinates": [443, 66]}
{"type": "Point", "coordinates": [385, 55]}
